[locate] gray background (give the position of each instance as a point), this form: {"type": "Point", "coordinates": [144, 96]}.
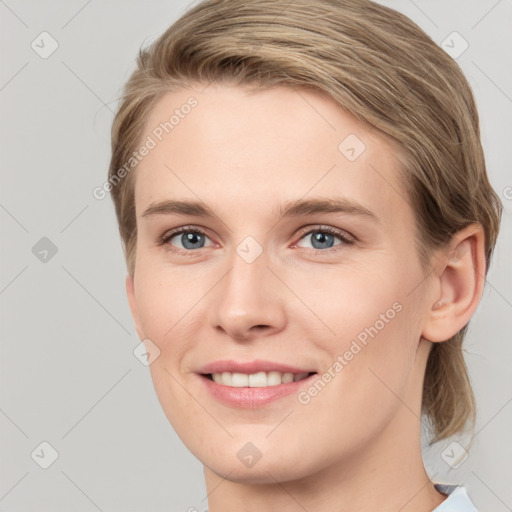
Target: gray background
{"type": "Point", "coordinates": [68, 374]}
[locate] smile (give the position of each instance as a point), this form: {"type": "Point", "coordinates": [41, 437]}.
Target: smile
{"type": "Point", "coordinates": [256, 380]}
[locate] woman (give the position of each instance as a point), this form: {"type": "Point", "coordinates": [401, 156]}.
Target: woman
{"type": "Point", "coordinates": [307, 221]}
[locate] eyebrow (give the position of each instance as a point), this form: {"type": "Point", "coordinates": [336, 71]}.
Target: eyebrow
{"type": "Point", "coordinates": [289, 209]}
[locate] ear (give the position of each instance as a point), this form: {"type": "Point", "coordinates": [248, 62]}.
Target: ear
{"type": "Point", "coordinates": [130, 293]}
{"type": "Point", "coordinates": [459, 283]}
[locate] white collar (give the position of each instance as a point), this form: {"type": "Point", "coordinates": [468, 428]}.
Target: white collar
{"type": "Point", "coordinates": [457, 501]}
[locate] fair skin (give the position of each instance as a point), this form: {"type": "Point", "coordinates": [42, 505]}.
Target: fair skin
{"type": "Point", "coordinates": [356, 445]}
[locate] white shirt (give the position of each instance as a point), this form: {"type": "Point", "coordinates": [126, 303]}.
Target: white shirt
{"type": "Point", "coordinates": [457, 501]}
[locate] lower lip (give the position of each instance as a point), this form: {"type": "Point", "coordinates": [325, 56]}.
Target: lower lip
{"type": "Point", "coordinates": [249, 398]}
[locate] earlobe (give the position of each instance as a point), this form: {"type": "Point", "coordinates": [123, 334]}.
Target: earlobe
{"type": "Point", "coordinates": [460, 284]}
{"type": "Point", "coordinates": [130, 293]}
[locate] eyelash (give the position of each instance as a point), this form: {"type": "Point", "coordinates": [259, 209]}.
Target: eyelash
{"type": "Point", "coordinates": [341, 235]}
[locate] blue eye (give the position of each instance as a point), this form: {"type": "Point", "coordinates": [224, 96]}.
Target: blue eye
{"type": "Point", "coordinates": [189, 239]}
{"type": "Point", "coordinates": [324, 238]}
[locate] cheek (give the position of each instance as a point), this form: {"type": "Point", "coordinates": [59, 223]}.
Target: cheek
{"type": "Point", "coordinates": [165, 305]}
{"type": "Point", "coordinates": [369, 377]}
{"type": "Point", "coordinates": [371, 325]}
{"type": "Point", "coordinates": [164, 299]}
{"type": "Point", "coordinates": [347, 299]}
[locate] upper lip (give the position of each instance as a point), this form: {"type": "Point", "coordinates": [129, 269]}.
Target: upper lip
{"type": "Point", "coordinates": [250, 367]}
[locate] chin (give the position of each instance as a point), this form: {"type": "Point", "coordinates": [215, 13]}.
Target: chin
{"type": "Point", "coordinates": [260, 474]}
{"type": "Point", "coordinates": [271, 467]}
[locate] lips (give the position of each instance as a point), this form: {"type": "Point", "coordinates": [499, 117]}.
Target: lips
{"type": "Point", "coordinates": [254, 384]}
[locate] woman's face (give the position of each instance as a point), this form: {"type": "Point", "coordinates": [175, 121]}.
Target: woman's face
{"type": "Point", "coordinates": [272, 281]}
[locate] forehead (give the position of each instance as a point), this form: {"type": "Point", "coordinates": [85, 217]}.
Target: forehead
{"type": "Point", "coordinates": [230, 146]}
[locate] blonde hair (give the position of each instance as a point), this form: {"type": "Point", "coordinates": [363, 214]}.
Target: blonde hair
{"type": "Point", "coordinates": [376, 64]}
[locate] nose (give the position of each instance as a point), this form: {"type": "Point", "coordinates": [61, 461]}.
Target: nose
{"type": "Point", "coordinates": [249, 301]}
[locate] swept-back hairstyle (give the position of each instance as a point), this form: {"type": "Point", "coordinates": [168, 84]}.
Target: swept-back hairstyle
{"type": "Point", "coordinates": [376, 64]}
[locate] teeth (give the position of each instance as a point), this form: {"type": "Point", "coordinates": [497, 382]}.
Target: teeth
{"type": "Point", "coordinates": [300, 376]}
{"type": "Point", "coordinates": [287, 377]}
{"type": "Point", "coordinates": [274, 378]}
{"type": "Point", "coordinates": [239, 380]}
{"type": "Point", "coordinates": [256, 380]}
{"type": "Point", "coordinates": [227, 378]}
